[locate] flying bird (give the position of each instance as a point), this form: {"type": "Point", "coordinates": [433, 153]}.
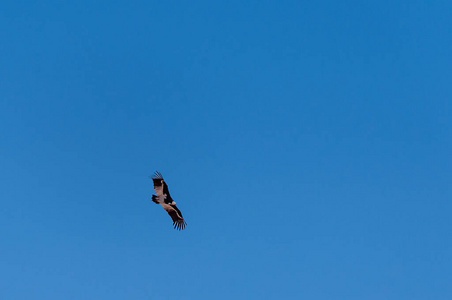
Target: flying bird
{"type": "Point", "coordinates": [162, 197]}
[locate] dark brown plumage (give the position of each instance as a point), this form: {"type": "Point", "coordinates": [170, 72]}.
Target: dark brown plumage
{"type": "Point", "coordinates": [163, 197]}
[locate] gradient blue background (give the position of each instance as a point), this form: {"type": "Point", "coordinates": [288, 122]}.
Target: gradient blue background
{"type": "Point", "coordinates": [307, 143]}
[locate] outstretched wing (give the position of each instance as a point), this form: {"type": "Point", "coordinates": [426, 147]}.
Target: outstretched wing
{"type": "Point", "coordinates": [161, 189]}
{"type": "Point", "coordinates": [158, 181]}
{"type": "Point", "coordinates": [175, 214]}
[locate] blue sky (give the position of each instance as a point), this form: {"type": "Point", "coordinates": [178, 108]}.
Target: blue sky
{"type": "Point", "coordinates": [307, 144]}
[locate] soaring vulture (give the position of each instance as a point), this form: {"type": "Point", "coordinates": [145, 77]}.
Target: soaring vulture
{"type": "Point", "coordinates": [162, 197]}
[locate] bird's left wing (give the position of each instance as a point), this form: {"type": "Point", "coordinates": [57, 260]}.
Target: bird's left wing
{"type": "Point", "coordinates": [175, 214]}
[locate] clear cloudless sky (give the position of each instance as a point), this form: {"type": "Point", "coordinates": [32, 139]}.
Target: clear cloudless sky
{"type": "Point", "coordinates": [307, 143]}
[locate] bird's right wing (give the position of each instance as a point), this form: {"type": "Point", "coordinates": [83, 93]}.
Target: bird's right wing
{"type": "Point", "coordinates": [158, 181]}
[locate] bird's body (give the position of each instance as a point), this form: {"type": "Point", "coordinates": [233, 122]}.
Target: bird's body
{"type": "Point", "coordinates": [163, 197]}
